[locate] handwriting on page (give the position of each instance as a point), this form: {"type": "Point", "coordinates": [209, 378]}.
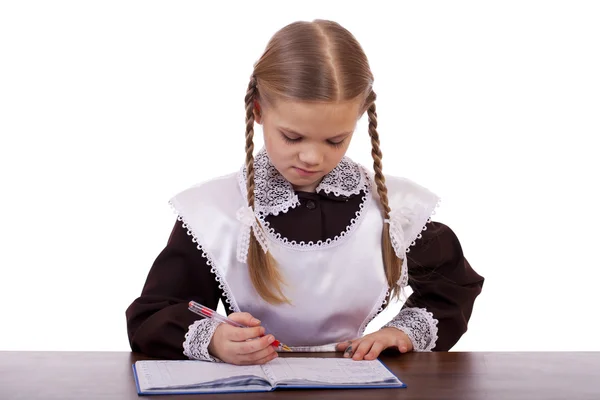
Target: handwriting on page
{"type": "Point", "coordinates": [328, 370]}
{"type": "Point", "coordinates": [168, 374]}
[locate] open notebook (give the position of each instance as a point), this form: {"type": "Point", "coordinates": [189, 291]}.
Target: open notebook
{"type": "Point", "coordinates": [189, 377]}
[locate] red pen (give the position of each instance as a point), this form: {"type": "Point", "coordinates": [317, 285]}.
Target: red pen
{"type": "Point", "coordinates": [212, 314]}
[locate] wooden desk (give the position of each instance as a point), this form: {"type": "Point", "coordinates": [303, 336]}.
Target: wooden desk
{"type": "Point", "coordinates": [464, 376]}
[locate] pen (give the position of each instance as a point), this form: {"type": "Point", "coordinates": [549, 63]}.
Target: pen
{"type": "Point", "coordinates": [208, 313]}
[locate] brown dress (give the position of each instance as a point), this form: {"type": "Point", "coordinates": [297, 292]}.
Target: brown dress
{"type": "Point", "coordinates": [442, 280]}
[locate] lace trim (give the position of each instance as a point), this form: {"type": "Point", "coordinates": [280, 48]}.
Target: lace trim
{"type": "Point", "coordinates": [403, 281]}
{"type": "Point", "coordinates": [382, 301]}
{"type": "Point", "coordinates": [231, 303]}
{"type": "Point", "coordinates": [273, 194]}
{"type": "Point", "coordinates": [330, 242]}
{"type": "Point", "coordinates": [261, 215]}
{"type": "Point", "coordinates": [419, 325]}
{"type": "Point", "coordinates": [345, 179]}
{"type": "Point", "coordinates": [424, 228]}
{"type": "Point", "coordinates": [249, 223]}
{"type": "Point", "coordinates": [402, 217]}
{"type": "Point", "coordinates": [197, 339]}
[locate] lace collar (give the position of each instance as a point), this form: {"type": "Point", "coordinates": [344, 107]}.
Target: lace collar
{"type": "Point", "coordinates": [274, 194]}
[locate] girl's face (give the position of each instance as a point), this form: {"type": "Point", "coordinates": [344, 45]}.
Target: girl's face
{"type": "Point", "coordinates": [305, 141]}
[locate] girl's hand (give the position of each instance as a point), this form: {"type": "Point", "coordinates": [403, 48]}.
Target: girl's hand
{"type": "Point", "coordinates": [242, 346]}
{"type": "Point", "coordinates": [370, 346]}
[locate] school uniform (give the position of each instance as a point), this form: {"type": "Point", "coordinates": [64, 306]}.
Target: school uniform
{"type": "Point", "coordinates": [327, 246]}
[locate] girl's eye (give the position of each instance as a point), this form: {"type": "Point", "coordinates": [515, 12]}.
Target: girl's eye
{"type": "Point", "coordinates": [288, 139]}
{"type": "Point", "coordinates": [336, 144]}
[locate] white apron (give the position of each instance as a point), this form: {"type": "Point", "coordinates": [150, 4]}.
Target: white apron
{"type": "Point", "coordinates": [336, 288]}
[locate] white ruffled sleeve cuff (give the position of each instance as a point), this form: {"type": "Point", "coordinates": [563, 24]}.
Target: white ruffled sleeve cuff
{"type": "Point", "coordinates": [197, 339]}
{"type": "Point", "coordinates": [419, 325]}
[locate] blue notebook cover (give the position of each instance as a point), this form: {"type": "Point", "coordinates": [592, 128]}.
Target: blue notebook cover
{"type": "Point", "coordinates": [163, 377]}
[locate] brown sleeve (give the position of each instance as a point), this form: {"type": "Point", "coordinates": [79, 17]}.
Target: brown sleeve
{"type": "Point", "coordinates": [443, 282]}
{"type": "Point", "coordinates": [158, 320]}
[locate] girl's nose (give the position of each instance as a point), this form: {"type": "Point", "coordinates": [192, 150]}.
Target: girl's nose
{"type": "Point", "coordinates": [311, 156]}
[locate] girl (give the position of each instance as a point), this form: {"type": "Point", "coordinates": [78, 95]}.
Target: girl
{"type": "Point", "coordinates": [301, 240]}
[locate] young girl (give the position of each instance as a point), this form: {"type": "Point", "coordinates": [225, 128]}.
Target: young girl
{"type": "Point", "coordinates": [302, 244]}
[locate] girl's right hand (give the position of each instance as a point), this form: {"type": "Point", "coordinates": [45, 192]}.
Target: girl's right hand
{"type": "Point", "coordinates": [232, 345]}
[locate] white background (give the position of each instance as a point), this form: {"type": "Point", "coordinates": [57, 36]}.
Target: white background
{"type": "Point", "coordinates": [109, 108]}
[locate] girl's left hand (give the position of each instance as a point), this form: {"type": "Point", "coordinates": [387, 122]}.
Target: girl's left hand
{"type": "Point", "coordinates": [369, 346]}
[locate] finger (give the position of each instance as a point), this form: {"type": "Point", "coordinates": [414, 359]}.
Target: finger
{"type": "Point", "coordinates": [363, 348]}
{"type": "Point", "coordinates": [376, 349]}
{"type": "Point", "coordinates": [237, 360]}
{"type": "Point", "coordinates": [253, 358]}
{"type": "Point", "coordinates": [404, 346]}
{"type": "Point", "coordinates": [244, 318]}
{"type": "Point", "coordinates": [267, 358]}
{"type": "Point", "coordinates": [236, 334]}
{"type": "Point", "coordinates": [349, 351]}
{"type": "Point", "coordinates": [254, 345]}
{"type": "Point", "coordinates": [343, 345]}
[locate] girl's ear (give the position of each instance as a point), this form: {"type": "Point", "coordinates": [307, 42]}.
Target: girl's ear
{"type": "Point", "coordinates": [257, 113]}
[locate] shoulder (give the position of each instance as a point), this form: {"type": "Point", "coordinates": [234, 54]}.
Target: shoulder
{"type": "Point", "coordinates": [411, 208]}
{"type": "Point", "coordinates": [402, 191]}
{"type": "Point", "coordinates": [407, 197]}
{"type": "Point", "coordinates": [216, 192]}
{"type": "Point", "coordinates": [438, 242]}
{"type": "Point", "coordinates": [226, 180]}
{"type": "Point", "coordinates": [408, 193]}
{"type": "Point", "coordinates": [214, 187]}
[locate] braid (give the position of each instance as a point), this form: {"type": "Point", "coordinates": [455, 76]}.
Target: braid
{"type": "Point", "coordinates": [262, 267]}
{"type": "Point", "coordinates": [391, 262]}
{"type": "Point", "coordinates": [249, 100]}
{"type": "Point", "coordinates": [376, 153]}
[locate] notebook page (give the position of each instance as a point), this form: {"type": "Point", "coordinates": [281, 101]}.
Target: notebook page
{"type": "Point", "coordinates": [340, 371]}
{"type": "Point", "coordinates": [166, 374]}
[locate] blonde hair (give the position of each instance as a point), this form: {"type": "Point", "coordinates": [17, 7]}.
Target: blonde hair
{"type": "Point", "coordinates": [317, 61]}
